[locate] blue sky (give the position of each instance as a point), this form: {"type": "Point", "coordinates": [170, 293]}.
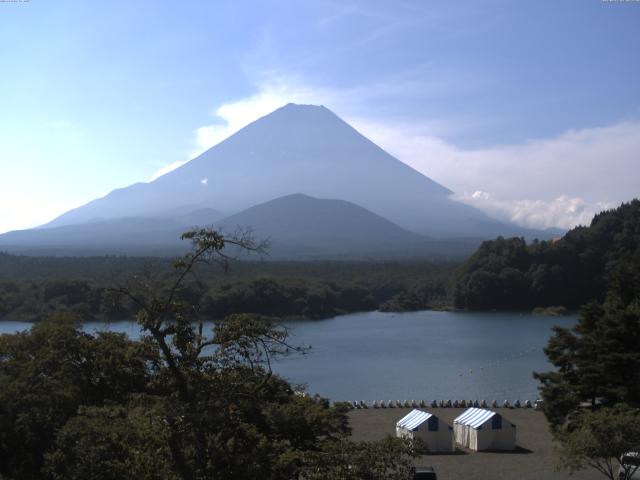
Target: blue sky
{"type": "Point", "coordinates": [529, 110]}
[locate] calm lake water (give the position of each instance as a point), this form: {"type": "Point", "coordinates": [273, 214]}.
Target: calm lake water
{"type": "Point", "coordinates": [418, 355]}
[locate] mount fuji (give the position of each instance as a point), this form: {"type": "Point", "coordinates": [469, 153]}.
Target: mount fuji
{"type": "Point", "coordinates": [297, 149]}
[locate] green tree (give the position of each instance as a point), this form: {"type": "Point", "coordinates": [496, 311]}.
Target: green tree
{"type": "Point", "coordinates": [592, 398]}
{"type": "Point", "coordinates": [230, 416]}
{"type": "Point", "coordinates": [47, 373]}
{"type": "Point", "coordinates": [571, 271]}
{"type": "Point", "coordinates": [597, 361]}
{"type": "Point", "coordinates": [389, 459]}
{"type": "Point", "coordinates": [601, 441]}
{"type": "Point", "coordinates": [113, 442]}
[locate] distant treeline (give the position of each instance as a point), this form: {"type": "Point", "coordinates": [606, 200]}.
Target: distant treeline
{"type": "Point", "coordinates": [32, 288]}
{"type": "Point", "coordinates": [578, 268]}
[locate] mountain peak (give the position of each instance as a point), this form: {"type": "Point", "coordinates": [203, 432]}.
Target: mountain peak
{"type": "Point", "coordinates": [304, 105]}
{"type": "Point", "coordinates": [302, 115]}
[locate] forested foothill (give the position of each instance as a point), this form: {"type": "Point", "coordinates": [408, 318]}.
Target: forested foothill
{"type": "Point", "coordinates": [570, 271]}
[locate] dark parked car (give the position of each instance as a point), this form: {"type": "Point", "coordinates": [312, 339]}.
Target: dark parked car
{"type": "Point", "coordinates": [424, 473]}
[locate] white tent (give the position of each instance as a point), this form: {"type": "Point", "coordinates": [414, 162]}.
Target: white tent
{"type": "Point", "coordinates": [480, 429]}
{"type": "Point", "coordinates": [436, 435]}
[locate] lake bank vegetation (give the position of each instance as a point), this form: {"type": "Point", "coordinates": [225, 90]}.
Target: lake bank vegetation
{"type": "Point", "coordinates": [592, 397]}
{"type": "Point", "coordinates": [35, 287]}
{"type": "Point", "coordinates": [570, 271]}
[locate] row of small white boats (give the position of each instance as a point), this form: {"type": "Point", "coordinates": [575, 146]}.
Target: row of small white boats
{"type": "Point", "coordinates": [445, 404]}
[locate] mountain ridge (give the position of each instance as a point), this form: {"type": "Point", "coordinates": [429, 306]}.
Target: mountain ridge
{"type": "Point", "coordinates": [299, 227]}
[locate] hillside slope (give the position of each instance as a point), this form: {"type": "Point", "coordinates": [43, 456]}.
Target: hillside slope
{"type": "Point", "coordinates": [578, 268]}
{"type": "Point", "coordinates": [149, 236]}
{"type": "Point", "coordinates": [299, 223]}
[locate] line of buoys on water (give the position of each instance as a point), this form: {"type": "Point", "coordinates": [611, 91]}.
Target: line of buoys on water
{"type": "Point", "coordinates": [361, 404]}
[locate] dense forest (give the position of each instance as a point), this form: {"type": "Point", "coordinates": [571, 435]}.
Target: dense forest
{"type": "Point", "coordinates": [591, 397]}
{"type": "Point", "coordinates": [570, 271]}
{"type": "Point", "coordinates": [35, 287]}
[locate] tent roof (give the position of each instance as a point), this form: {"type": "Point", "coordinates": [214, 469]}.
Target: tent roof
{"type": "Point", "coordinates": [413, 419]}
{"type": "Point", "coordinates": [474, 417]}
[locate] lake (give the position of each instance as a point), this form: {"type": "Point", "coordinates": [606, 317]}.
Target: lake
{"type": "Point", "coordinates": [418, 355]}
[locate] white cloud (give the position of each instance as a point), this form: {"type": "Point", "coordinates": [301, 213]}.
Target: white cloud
{"type": "Point", "coordinates": [562, 212]}
{"type": "Point", "coordinates": [167, 169]}
{"type": "Point", "coordinates": [555, 182]}
{"type": "Point", "coordinates": [204, 181]}
{"type": "Point", "coordinates": [562, 181]}
{"type": "Point", "coordinates": [595, 163]}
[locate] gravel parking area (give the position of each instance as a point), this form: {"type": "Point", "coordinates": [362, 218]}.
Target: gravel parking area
{"type": "Point", "coordinates": [534, 458]}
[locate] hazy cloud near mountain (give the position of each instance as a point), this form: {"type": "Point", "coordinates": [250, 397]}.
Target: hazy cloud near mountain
{"type": "Point", "coordinates": [561, 212]}
{"type": "Point", "coordinates": [555, 182]}
{"type": "Point", "coordinates": [558, 182]}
